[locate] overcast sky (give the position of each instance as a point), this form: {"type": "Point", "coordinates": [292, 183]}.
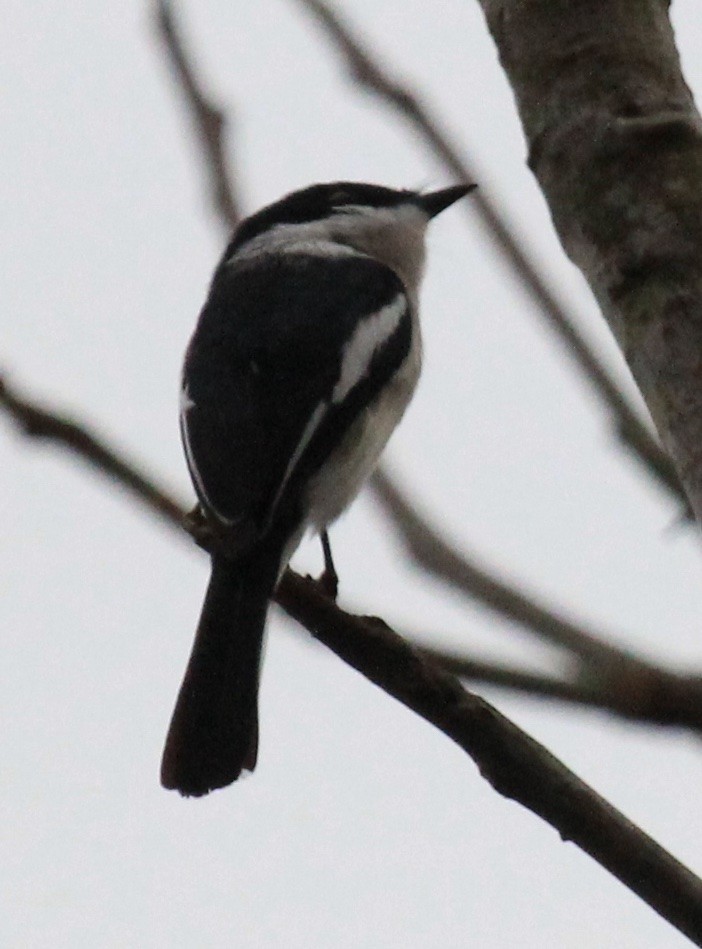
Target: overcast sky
{"type": "Point", "coordinates": [362, 825]}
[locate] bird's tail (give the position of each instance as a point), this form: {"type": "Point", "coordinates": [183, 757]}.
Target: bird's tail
{"type": "Point", "coordinates": [213, 734]}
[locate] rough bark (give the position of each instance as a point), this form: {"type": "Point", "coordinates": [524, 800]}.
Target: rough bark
{"type": "Point", "coordinates": [615, 142]}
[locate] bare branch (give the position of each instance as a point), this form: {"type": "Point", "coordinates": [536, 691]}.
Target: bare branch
{"type": "Point", "coordinates": [611, 679]}
{"type": "Point", "coordinates": [606, 676]}
{"type": "Point", "coordinates": [615, 142]}
{"type": "Point", "coordinates": [517, 766]}
{"type": "Point", "coordinates": [643, 694]}
{"type": "Point", "coordinates": [439, 558]}
{"type": "Point", "coordinates": [531, 684]}
{"type": "Point", "coordinates": [365, 69]}
{"type": "Point", "coordinates": [37, 421]}
{"type": "Point", "coordinates": [514, 764]}
{"type": "Point", "coordinates": [209, 120]}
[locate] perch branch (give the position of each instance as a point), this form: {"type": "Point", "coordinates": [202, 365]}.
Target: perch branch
{"type": "Point", "coordinates": [36, 421]}
{"type": "Point", "coordinates": [515, 765]}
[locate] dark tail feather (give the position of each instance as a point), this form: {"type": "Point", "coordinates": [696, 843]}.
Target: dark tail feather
{"type": "Point", "coordinates": [213, 734]}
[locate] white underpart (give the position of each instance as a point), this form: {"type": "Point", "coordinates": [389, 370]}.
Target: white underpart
{"type": "Point", "coordinates": [305, 438]}
{"type": "Point", "coordinates": [356, 359]}
{"type": "Point", "coordinates": [368, 337]}
{"type": "Point", "coordinates": [342, 475]}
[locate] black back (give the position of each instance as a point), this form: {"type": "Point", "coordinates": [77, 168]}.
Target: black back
{"type": "Point", "coordinates": [267, 351]}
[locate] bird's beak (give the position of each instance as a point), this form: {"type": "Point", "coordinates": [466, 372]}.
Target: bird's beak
{"type": "Point", "coordinates": [437, 201]}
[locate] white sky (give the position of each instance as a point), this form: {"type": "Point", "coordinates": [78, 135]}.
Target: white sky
{"type": "Point", "coordinates": [362, 825]}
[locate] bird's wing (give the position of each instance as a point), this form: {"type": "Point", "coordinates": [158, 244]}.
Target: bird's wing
{"type": "Point", "coordinates": [281, 354]}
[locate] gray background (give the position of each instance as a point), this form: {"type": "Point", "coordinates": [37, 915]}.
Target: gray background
{"type": "Point", "coordinates": [362, 826]}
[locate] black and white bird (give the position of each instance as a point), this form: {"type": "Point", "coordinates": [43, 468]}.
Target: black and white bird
{"type": "Point", "coordinates": [302, 363]}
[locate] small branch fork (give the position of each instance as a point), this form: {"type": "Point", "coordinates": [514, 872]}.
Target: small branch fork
{"type": "Point", "coordinates": [514, 764]}
{"type": "Point", "coordinates": [602, 674]}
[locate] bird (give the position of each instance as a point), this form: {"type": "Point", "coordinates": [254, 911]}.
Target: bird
{"type": "Point", "coordinates": [303, 361]}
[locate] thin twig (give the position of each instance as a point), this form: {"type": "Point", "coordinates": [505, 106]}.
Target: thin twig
{"type": "Point", "coordinates": [441, 559]}
{"type": "Point", "coordinates": [516, 766]}
{"type": "Point", "coordinates": [658, 705]}
{"type": "Point", "coordinates": [643, 694]}
{"type": "Point", "coordinates": [209, 120]}
{"type": "Point", "coordinates": [36, 421]}
{"type": "Point", "coordinates": [606, 676]}
{"type": "Point", "coordinates": [366, 70]}
{"type": "Point", "coordinates": [532, 684]}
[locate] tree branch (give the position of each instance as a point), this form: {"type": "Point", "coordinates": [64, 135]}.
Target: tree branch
{"type": "Point", "coordinates": [37, 421]}
{"type": "Point", "coordinates": [516, 766]}
{"type": "Point", "coordinates": [678, 705]}
{"type": "Point", "coordinates": [647, 695]}
{"type": "Point", "coordinates": [615, 142]}
{"type": "Point", "coordinates": [209, 120]}
{"type": "Point", "coordinates": [531, 684]}
{"type": "Point", "coordinates": [434, 554]}
{"type": "Point", "coordinates": [605, 676]}
{"type": "Point", "coordinates": [365, 69]}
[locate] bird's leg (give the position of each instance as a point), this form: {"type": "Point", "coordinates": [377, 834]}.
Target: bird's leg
{"type": "Point", "coordinates": [329, 580]}
{"type": "Point", "coordinates": [196, 524]}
